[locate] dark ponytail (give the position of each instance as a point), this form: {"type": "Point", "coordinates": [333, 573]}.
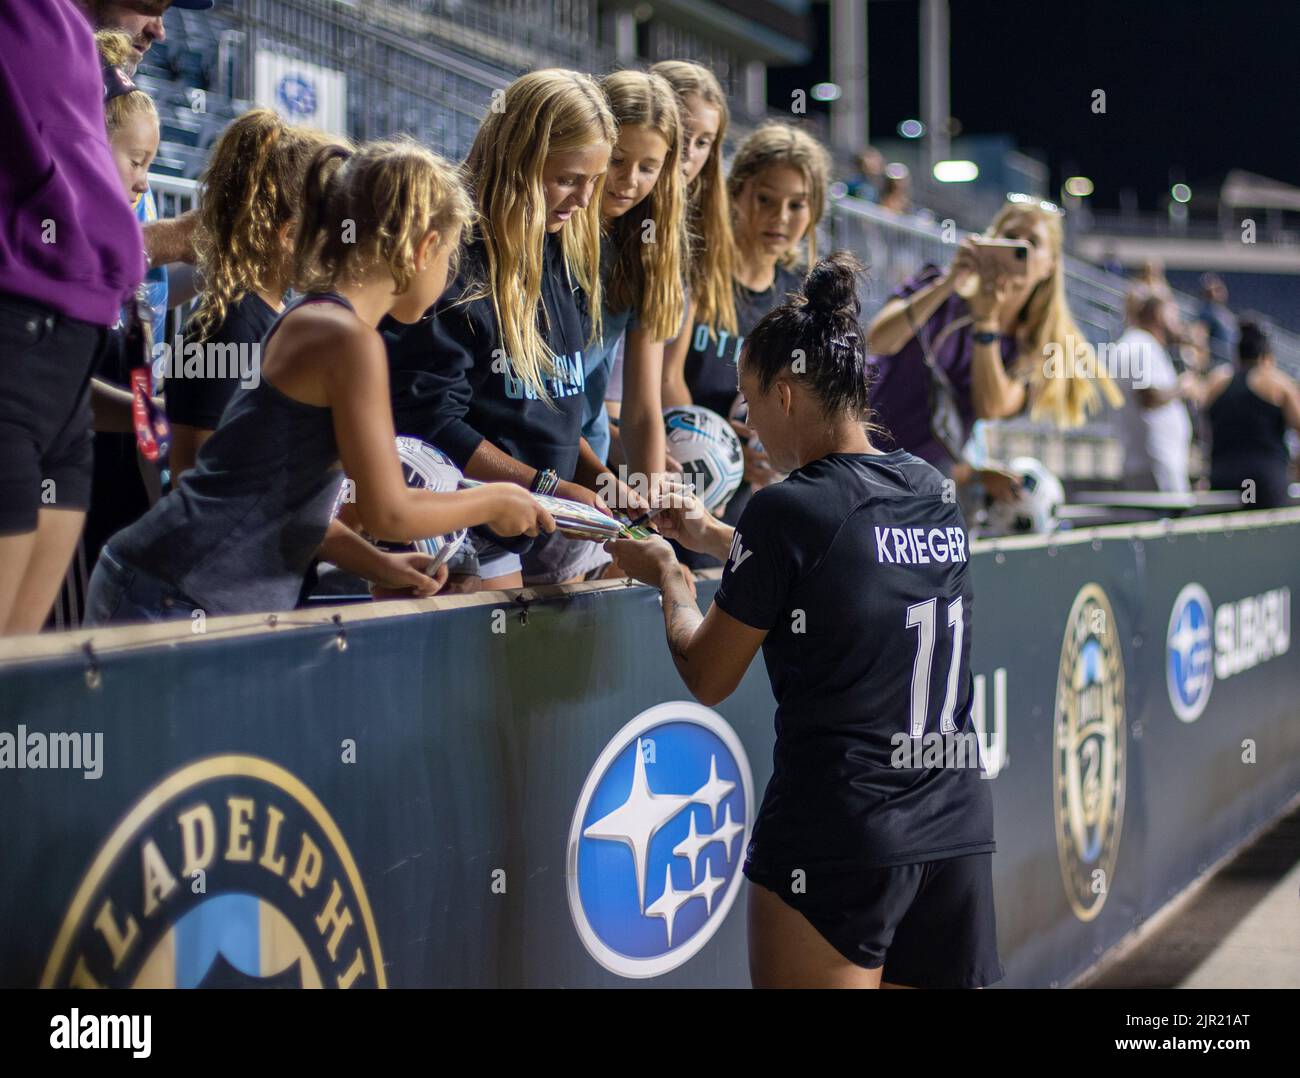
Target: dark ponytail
{"type": "Point", "coordinates": [1252, 343]}
{"type": "Point", "coordinates": [816, 338]}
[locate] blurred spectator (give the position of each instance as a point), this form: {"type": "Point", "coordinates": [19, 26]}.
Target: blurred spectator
{"type": "Point", "coordinates": [1219, 323]}
{"type": "Point", "coordinates": [896, 195]}
{"type": "Point", "coordinates": [1249, 407]}
{"type": "Point", "coordinates": [1154, 426]}
{"type": "Point", "coordinates": [869, 182]}
{"type": "Point", "coordinates": [1151, 276]}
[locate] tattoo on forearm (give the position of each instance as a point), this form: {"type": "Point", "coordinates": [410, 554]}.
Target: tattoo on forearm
{"type": "Point", "coordinates": [679, 635]}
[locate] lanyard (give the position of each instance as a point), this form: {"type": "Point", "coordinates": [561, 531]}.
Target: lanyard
{"type": "Point", "coordinates": [153, 434]}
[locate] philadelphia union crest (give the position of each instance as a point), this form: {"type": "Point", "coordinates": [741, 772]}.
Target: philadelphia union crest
{"type": "Point", "coordinates": [229, 873]}
{"type": "Point", "coordinates": [657, 839]}
{"type": "Point", "coordinates": [1088, 760]}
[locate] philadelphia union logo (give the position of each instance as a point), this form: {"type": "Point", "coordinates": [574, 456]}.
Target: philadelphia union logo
{"type": "Point", "coordinates": [1189, 653]}
{"type": "Point", "coordinates": [657, 839]}
{"type": "Point", "coordinates": [228, 873]}
{"type": "Point", "coordinates": [1088, 752]}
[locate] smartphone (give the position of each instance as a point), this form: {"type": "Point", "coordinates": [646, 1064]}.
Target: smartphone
{"type": "Point", "coordinates": [1002, 256]}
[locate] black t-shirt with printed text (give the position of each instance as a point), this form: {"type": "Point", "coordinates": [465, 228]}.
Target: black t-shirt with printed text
{"type": "Point", "coordinates": [857, 565]}
{"type": "Point", "coordinates": [713, 355]}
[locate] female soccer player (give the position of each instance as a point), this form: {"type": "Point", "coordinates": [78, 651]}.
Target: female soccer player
{"type": "Point", "coordinates": [868, 868]}
{"type": "Point", "coordinates": [494, 375]}
{"type": "Point", "coordinates": [252, 194]}
{"type": "Point", "coordinates": [379, 229]}
{"type": "Point", "coordinates": [994, 347]}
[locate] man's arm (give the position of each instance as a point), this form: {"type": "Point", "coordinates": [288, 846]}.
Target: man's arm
{"type": "Point", "coordinates": [171, 240]}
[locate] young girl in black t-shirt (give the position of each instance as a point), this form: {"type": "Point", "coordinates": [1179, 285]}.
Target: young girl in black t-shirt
{"type": "Point", "coordinates": [252, 195]}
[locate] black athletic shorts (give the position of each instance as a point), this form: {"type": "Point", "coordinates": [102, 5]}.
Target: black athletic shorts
{"type": "Point", "coordinates": [931, 924]}
{"type": "Point", "coordinates": [46, 360]}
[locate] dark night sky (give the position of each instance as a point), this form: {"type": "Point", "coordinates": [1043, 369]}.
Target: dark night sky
{"type": "Point", "coordinates": [1195, 86]}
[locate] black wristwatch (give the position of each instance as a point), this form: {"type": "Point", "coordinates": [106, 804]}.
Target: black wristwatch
{"type": "Point", "coordinates": [985, 336]}
{"type": "Point", "coordinates": [545, 481]}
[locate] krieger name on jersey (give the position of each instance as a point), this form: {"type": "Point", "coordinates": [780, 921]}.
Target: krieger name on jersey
{"type": "Point", "coordinates": [920, 546]}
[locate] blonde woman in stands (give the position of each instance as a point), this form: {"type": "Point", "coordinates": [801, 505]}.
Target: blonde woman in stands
{"type": "Point", "coordinates": [1004, 343]}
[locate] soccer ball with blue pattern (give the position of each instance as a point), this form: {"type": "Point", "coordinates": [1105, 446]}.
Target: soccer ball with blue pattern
{"type": "Point", "coordinates": [708, 451]}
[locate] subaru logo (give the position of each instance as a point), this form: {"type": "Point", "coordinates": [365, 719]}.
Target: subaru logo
{"type": "Point", "coordinates": [1189, 653]}
{"type": "Point", "coordinates": [658, 838]}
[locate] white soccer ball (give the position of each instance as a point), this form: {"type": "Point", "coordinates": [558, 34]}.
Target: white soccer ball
{"type": "Point", "coordinates": [423, 468]}
{"type": "Point", "coordinates": [708, 451]}
{"type": "Point", "coordinates": [1034, 510]}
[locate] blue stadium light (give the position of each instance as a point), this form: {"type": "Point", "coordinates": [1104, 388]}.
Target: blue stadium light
{"type": "Point", "coordinates": [955, 171]}
{"type": "Point", "coordinates": [826, 91]}
{"type": "Point", "coordinates": [911, 129]}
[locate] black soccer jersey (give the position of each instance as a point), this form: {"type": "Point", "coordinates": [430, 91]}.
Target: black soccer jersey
{"type": "Point", "coordinates": [857, 565]}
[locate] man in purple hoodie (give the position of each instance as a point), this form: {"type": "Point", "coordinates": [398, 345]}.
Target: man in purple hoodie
{"type": "Point", "coordinates": [70, 252]}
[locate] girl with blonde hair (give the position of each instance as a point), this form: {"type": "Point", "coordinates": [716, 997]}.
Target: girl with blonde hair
{"type": "Point", "coordinates": [642, 213]}
{"type": "Point", "coordinates": [123, 483]}
{"type": "Point", "coordinates": [1002, 343]}
{"type": "Point", "coordinates": [252, 192]}
{"type": "Point", "coordinates": [494, 374]}
{"type": "Point", "coordinates": [711, 253]}
{"type": "Point", "coordinates": [380, 229]}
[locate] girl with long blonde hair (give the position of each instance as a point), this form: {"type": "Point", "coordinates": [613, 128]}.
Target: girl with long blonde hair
{"type": "Point", "coordinates": [1005, 343]}
{"type": "Point", "coordinates": [494, 375]}
{"type": "Point", "coordinates": [710, 256]}
{"type": "Point", "coordinates": [642, 214]}
{"type": "Point", "coordinates": [252, 193]}
{"type": "Point", "coordinates": [380, 229]}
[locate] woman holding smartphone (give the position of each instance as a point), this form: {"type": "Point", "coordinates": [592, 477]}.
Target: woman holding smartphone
{"type": "Point", "coordinates": [867, 869]}
{"type": "Point", "coordinates": [990, 333]}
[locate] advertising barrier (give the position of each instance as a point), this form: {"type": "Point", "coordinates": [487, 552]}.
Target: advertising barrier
{"type": "Point", "coordinates": [498, 791]}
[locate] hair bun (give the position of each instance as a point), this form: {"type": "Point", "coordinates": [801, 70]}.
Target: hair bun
{"type": "Point", "coordinates": [831, 286]}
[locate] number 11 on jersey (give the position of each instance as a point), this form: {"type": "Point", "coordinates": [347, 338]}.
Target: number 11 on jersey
{"type": "Point", "coordinates": [922, 617]}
